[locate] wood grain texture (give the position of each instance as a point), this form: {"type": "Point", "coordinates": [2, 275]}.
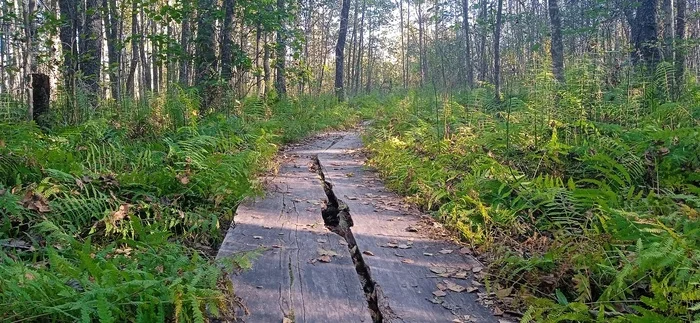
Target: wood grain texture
{"type": "Point", "coordinates": [287, 280]}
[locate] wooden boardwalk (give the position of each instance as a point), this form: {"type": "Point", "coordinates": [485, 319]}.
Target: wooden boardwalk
{"type": "Point", "coordinates": [305, 273]}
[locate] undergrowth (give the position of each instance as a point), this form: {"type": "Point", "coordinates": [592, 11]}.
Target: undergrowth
{"type": "Point", "coordinates": [586, 200]}
{"type": "Point", "coordinates": [117, 218]}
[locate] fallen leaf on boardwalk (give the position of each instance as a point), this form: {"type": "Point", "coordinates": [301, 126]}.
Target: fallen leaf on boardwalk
{"type": "Point", "coordinates": [390, 245]}
{"type": "Point", "coordinates": [440, 286]}
{"type": "Point", "coordinates": [501, 293]}
{"type": "Point", "coordinates": [267, 227]}
{"type": "Point", "coordinates": [352, 198]}
{"type": "Point", "coordinates": [367, 252]}
{"type": "Point", "coordinates": [457, 321]}
{"type": "Point", "coordinates": [435, 300]}
{"type": "Point", "coordinates": [411, 229]}
{"type": "Point", "coordinates": [404, 246]}
{"type": "Point", "coordinates": [446, 251]}
{"type": "Point", "coordinates": [450, 306]}
{"type": "Point", "coordinates": [350, 174]}
{"type": "Point", "coordinates": [324, 258]}
{"type": "Point", "coordinates": [497, 311]}
{"type": "Point", "coordinates": [472, 289]}
{"type": "Point", "coordinates": [326, 252]}
{"type": "Point", "coordinates": [427, 254]}
{"type": "Point", "coordinates": [438, 270]}
{"type": "Point", "coordinates": [321, 240]}
{"type": "Point", "coordinates": [343, 242]}
{"type": "Point", "coordinates": [460, 275]}
{"type": "Point", "coordinates": [439, 293]}
{"type": "Point", "coordinates": [287, 320]}
{"type": "Point", "coordinates": [457, 288]}
{"type": "Point", "coordinates": [407, 261]}
{"type": "Point", "coordinates": [476, 283]}
{"type": "Point", "coordinates": [257, 237]}
{"type": "Point", "coordinates": [477, 269]}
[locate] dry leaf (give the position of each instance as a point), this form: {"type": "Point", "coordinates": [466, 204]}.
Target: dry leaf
{"type": "Point", "coordinates": [501, 293]}
{"type": "Point", "coordinates": [440, 286]}
{"type": "Point", "coordinates": [411, 229]}
{"type": "Point", "coordinates": [438, 270]}
{"type": "Point", "coordinates": [407, 261]}
{"type": "Point", "coordinates": [119, 214]}
{"type": "Point", "coordinates": [427, 254]}
{"type": "Point", "coordinates": [472, 289]}
{"type": "Point", "coordinates": [367, 252]}
{"type": "Point", "coordinates": [404, 246]}
{"type": "Point", "coordinates": [326, 252]}
{"type": "Point", "coordinates": [457, 288]}
{"type": "Point", "coordinates": [465, 251]}
{"type": "Point", "coordinates": [439, 293]}
{"type": "Point", "coordinates": [35, 202]}
{"type": "Point", "coordinates": [497, 311]}
{"type": "Point", "coordinates": [324, 258]}
{"type": "Point", "coordinates": [460, 275]}
{"type": "Point", "coordinates": [477, 269]}
{"type": "Point", "coordinates": [446, 251]}
{"type": "Point", "coordinates": [257, 237]}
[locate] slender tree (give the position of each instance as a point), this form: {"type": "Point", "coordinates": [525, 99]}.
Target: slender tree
{"type": "Point", "coordinates": [497, 51]}
{"type": "Point", "coordinates": [557, 47]}
{"type": "Point", "coordinates": [227, 40]}
{"type": "Point", "coordinates": [92, 57]}
{"type": "Point", "coordinates": [467, 44]}
{"type": "Point", "coordinates": [340, 50]}
{"type": "Point", "coordinates": [680, 43]}
{"type": "Point", "coordinates": [281, 51]}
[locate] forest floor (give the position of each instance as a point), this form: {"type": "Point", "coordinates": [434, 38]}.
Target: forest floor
{"type": "Point", "coordinates": [305, 273]}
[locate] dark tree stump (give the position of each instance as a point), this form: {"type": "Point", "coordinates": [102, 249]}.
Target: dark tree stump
{"type": "Point", "coordinates": [41, 91]}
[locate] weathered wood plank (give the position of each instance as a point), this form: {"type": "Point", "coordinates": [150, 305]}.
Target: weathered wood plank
{"type": "Point", "coordinates": [287, 280]}
{"type": "Point", "coordinates": [380, 220]}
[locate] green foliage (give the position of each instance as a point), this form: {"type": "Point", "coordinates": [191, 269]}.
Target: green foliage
{"type": "Point", "coordinates": [112, 219]}
{"type": "Point", "coordinates": [590, 210]}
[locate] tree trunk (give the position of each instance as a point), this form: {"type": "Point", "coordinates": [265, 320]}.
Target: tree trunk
{"type": "Point", "coordinates": [281, 51]}
{"type": "Point", "coordinates": [557, 47]}
{"type": "Point", "coordinates": [467, 45]}
{"type": "Point", "coordinates": [646, 42]}
{"type": "Point", "coordinates": [497, 51]}
{"type": "Point", "coordinates": [92, 57]}
{"type": "Point", "coordinates": [145, 85]}
{"type": "Point", "coordinates": [227, 41]}
{"type": "Point", "coordinates": [680, 43]}
{"type": "Point", "coordinates": [340, 49]}
{"type": "Point", "coordinates": [69, 45]}
{"type": "Point", "coordinates": [130, 83]}
{"type": "Point", "coordinates": [357, 80]}
{"type": "Point", "coordinates": [258, 74]}
{"type": "Point", "coordinates": [403, 46]}
{"type": "Point", "coordinates": [421, 43]}
{"type": "Point", "coordinates": [185, 37]}
{"type": "Point", "coordinates": [205, 60]}
{"type": "Point", "coordinates": [266, 64]}
{"type": "Point", "coordinates": [41, 96]}
{"type": "Point", "coordinates": [111, 21]}
{"type": "Point", "coordinates": [482, 44]}
{"type": "Point", "coordinates": [668, 30]}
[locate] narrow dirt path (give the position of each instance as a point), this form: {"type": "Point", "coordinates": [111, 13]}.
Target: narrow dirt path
{"type": "Point", "coordinates": [306, 273]}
